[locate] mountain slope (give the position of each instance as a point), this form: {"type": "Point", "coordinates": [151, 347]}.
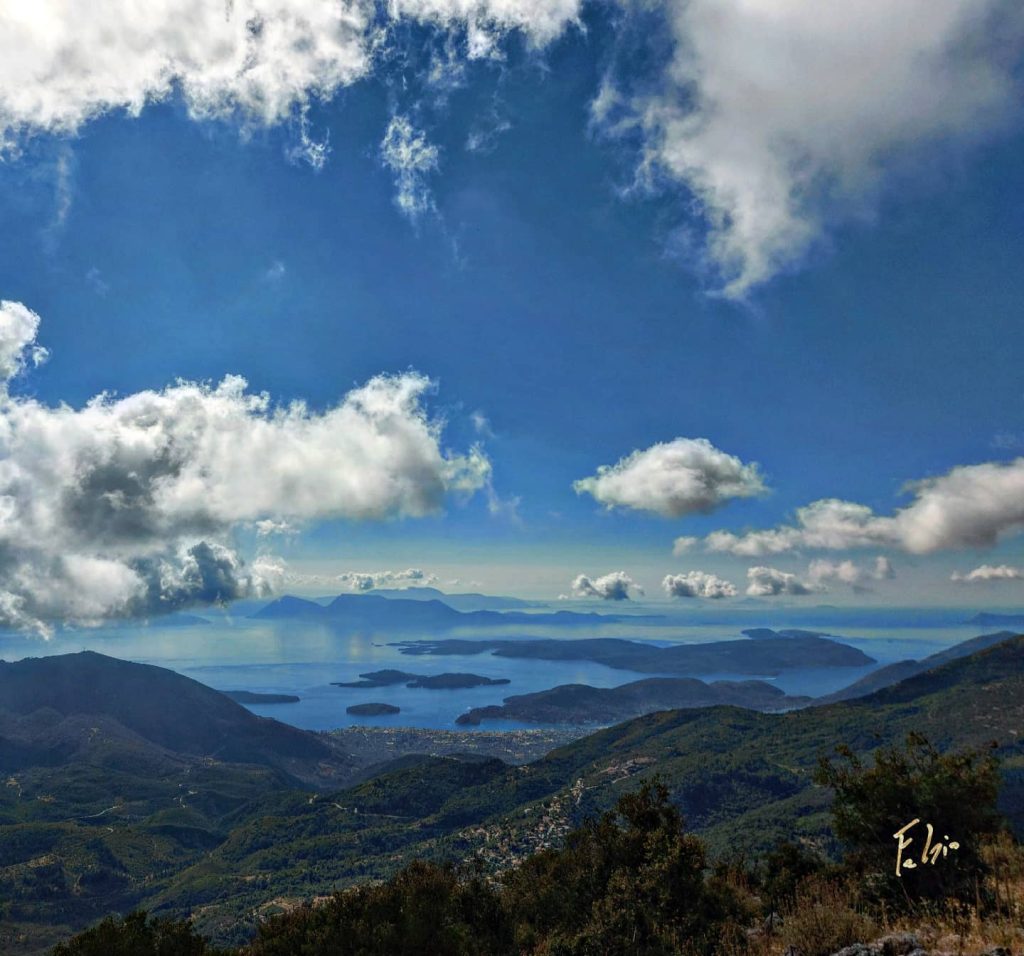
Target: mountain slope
{"type": "Point", "coordinates": [156, 704]}
{"type": "Point", "coordinates": [894, 673]}
{"type": "Point", "coordinates": [743, 780]}
{"type": "Point", "coordinates": [583, 704]}
{"type": "Point", "coordinates": [460, 602]}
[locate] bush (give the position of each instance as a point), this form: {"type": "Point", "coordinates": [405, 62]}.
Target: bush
{"type": "Point", "coordinates": [823, 918]}
{"type": "Point", "coordinates": [955, 792]}
{"type": "Point", "coordinates": [425, 910]}
{"type": "Point", "coordinates": [631, 882]}
{"type": "Point", "coordinates": [136, 935]}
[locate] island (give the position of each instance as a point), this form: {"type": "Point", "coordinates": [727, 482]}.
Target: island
{"type": "Point", "coordinates": [372, 710]}
{"type": "Point", "coordinates": [389, 678]}
{"type": "Point", "coordinates": [581, 704]}
{"type": "Point", "coordinates": [251, 697]}
{"type": "Point", "coordinates": [760, 657]}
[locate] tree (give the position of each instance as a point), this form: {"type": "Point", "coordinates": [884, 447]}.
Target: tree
{"type": "Point", "coordinates": [631, 882]}
{"type": "Point", "coordinates": [136, 935]}
{"type": "Point", "coordinates": [424, 910]}
{"type": "Point", "coordinates": [875, 808]}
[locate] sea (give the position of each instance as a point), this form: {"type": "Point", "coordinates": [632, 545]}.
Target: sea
{"type": "Point", "coordinates": [235, 652]}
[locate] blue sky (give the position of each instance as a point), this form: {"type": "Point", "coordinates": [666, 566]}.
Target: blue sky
{"type": "Point", "coordinates": [560, 279]}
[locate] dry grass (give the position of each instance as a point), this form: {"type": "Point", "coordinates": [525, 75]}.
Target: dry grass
{"type": "Point", "coordinates": [827, 917]}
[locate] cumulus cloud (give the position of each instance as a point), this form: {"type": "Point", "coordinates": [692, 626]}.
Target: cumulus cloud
{"type": "Point", "coordinates": [407, 153]}
{"type": "Point", "coordinates": [821, 572]}
{"type": "Point", "coordinates": [697, 584]}
{"type": "Point", "coordinates": [770, 582]}
{"type": "Point", "coordinates": [971, 506]}
{"type": "Point", "coordinates": [672, 479]}
{"type": "Point", "coordinates": [684, 544]}
{"type": "Point", "coordinates": [127, 505]}
{"type": "Point", "coordinates": [368, 580]}
{"type": "Point", "coordinates": [263, 61]}
{"type": "Point", "coordinates": [988, 572]}
{"type": "Point", "coordinates": [18, 348]}
{"type": "Point", "coordinates": [781, 117]}
{"type": "Point", "coordinates": [614, 586]}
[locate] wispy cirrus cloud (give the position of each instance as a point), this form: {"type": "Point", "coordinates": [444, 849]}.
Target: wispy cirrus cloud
{"type": "Point", "coordinates": [128, 506]}
{"type": "Point", "coordinates": [406, 151]}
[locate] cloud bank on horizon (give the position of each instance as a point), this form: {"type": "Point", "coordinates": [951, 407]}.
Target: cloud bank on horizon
{"type": "Point", "coordinates": [780, 118]}
{"type": "Point", "coordinates": [127, 506]}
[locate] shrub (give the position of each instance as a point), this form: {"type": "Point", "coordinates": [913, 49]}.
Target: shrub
{"type": "Point", "coordinates": [955, 792]}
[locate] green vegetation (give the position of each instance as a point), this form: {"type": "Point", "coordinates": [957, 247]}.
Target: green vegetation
{"type": "Point", "coordinates": [634, 883]}
{"type": "Point", "coordinates": [137, 935]}
{"type": "Point", "coordinates": [109, 822]}
{"type": "Point", "coordinates": [953, 798]}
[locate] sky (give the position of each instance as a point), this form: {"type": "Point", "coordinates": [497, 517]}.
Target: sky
{"type": "Point", "coordinates": [697, 301]}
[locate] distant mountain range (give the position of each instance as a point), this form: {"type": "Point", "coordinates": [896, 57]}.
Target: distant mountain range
{"type": "Point", "coordinates": [460, 602]}
{"type": "Point", "coordinates": [373, 612]}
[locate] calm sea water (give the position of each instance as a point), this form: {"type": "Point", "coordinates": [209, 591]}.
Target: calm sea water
{"type": "Point", "coordinates": [303, 659]}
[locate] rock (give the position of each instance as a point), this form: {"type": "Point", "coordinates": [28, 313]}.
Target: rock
{"type": "Point", "coordinates": [997, 951]}
{"type": "Point", "coordinates": [898, 944]}
{"type": "Point", "coordinates": [771, 923]}
{"type": "Point", "coordinates": [859, 949]}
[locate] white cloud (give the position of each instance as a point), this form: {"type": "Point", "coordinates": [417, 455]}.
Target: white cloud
{"type": "Point", "coordinates": [407, 153]}
{"type": "Point", "coordinates": [263, 61]}
{"type": "Point", "coordinates": [60, 65]}
{"type": "Point", "coordinates": [821, 572]}
{"type": "Point", "coordinates": [971, 506]}
{"type": "Point", "coordinates": [883, 569]}
{"type": "Point", "coordinates": [481, 424]}
{"type": "Point", "coordinates": [675, 478]}
{"type": "Point", "coordinates": [275, 272]}
{"type": "Point", "coordinates": [784, 115]}
{"type": "Point", "coordinates": [697, 584]}
{"type": "Point", "coordinates": [127, 505]}
{"type": "Point", "coordinates": [368, 580]}
{"type": "Point", "coordinates": [770, 582]}
{"type": "Point", "coordinates": [18, 348]}
{"type": "Point", "coordinates": [267, 527]}
{"type": "Point", "coordinates": [988, 572]}
{"type": "Point", "coordinates": [96, 282]}
{"type": "Point", "coordinates": [614, 586]}
{"type": "Point", "coordinates": [684, 545]}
